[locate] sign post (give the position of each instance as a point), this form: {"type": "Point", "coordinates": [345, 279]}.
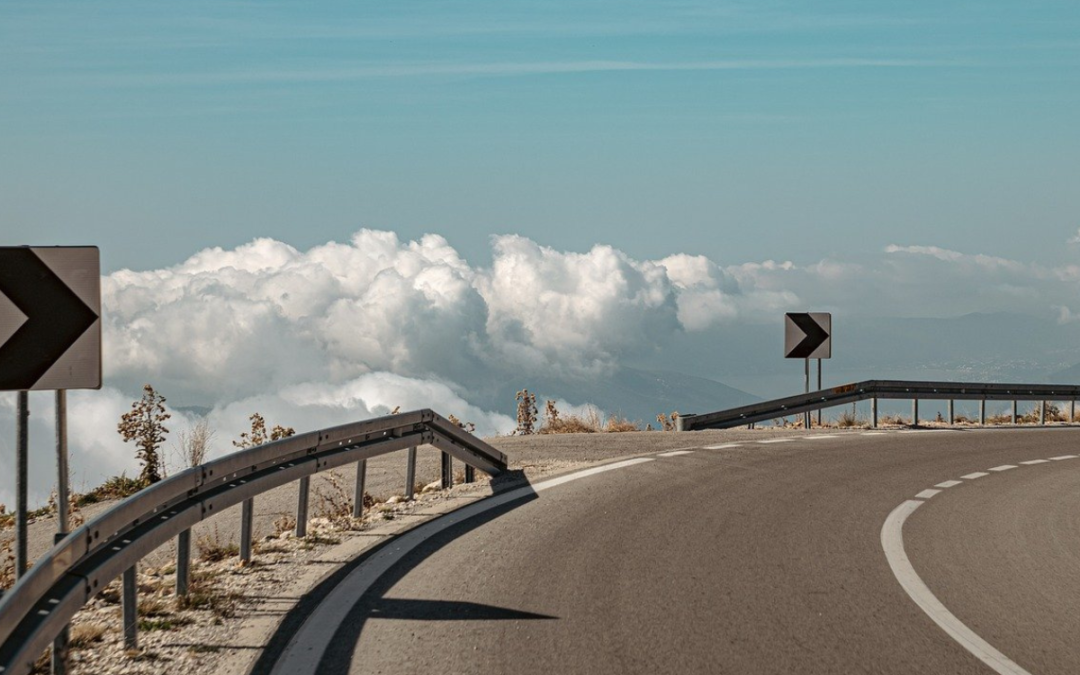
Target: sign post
{"type": "Point", "coordinates": [50, 339]}
{"type": "Point", "coordinates": [808, 335]}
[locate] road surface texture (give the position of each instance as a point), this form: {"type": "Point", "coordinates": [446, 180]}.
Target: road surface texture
{"type": "Point", "coordinates": [759, 557]}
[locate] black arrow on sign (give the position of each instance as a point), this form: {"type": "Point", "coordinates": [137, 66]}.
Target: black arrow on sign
{"type": "Point", "coordinates": [55, 319]}
{"type": "Point", "coordinates": [815, 336]}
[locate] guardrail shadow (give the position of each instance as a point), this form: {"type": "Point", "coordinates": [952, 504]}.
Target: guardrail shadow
{"type": "Point", "coordinates": [374, 605]}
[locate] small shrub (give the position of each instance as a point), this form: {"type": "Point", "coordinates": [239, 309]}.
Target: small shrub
{"type": "Point", "coordinates": [526, 413]}
{"type": "Point", "coordinates": [334, 502]}
{"type": "Point", "coordinates": [467, 426]}
{"type": "Point", "coordinates": [258, 435]}
{"type": "Point", "coordinates": [145, 424]}
{"type": "Point", "coordinates": [666, 423]}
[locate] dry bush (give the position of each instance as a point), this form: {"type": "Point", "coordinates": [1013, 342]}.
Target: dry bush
{"type": "Point", "coordinates": [258, 434]}
{"type": "Point", "coordinates": [556, 423]}
{"type": "Point", "coordinates": [666, 423]}
{"type": "Point", "coordinates": [467, 426]}
{"type": "Point", "coordinates": [616, 424]}
{"type": "Point", "coordinates": [335, 503]}
{"type": "Point", "coordinates": [145, 424]}
{"type": "Point", "coordinates": [848, 420]}
{"type": "Point", "coordinates": [213, 549]}
{"type": "Point", "coordinates": [193, 445]}
{"type": "Point", "coordinates": [898, 420]}
{"type": "Point", "coordinates": [526, 413]}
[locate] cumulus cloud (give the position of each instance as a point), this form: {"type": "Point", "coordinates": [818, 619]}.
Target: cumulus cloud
{"type": "Point", "coordinates": [347, 331]}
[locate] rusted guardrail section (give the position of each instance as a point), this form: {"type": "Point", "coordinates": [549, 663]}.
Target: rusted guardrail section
{"type": "Point", "coordinates": [38, 608]}
{"type": "Point", "coordinates": [888, 389]}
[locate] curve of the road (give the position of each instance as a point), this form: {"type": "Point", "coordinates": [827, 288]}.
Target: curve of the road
{"type": "Point", "coordinates": [787, 555]}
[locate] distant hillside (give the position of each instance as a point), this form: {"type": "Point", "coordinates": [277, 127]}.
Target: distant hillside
{"type": "Point", "coordinates": [635, 394]}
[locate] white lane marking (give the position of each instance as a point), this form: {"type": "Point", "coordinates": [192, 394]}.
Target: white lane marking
{"type": "Point", "coordinates": [892, 540]}
{"type": "Point", "coordinates": [875, 433]}
{"type": "Point", "coordinates": [1004, 467]}
{"type": "Point", "coordinates": [973, 476]}
{"type": "Point", "coordinates": [675, 453]}
{"type": "Point", "coordinates": [927, 494]}
{"type": "Point", "coordinates": [723, 446]}
{"type": "Point", "coordinates": [1035, 461]}
{"type": "Point", "coordinates": [776, 440]}
{"type": "Point", "coordinates": [1061, 457]}
{"type": "Point", "coordinates": [307, 646]}
{"type": "Point", "coordinates": [821, 437]}
{"type": "Point", "coordinates": [948, 484]}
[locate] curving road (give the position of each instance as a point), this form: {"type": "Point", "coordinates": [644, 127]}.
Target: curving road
{"type": "Point", "coordinates": [759, 558]}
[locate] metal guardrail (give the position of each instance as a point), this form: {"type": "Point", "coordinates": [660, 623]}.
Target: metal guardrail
{"type": "Point", "coordinates": [40, 606]}
{"type": "Point", "coordinates": [886, 389]}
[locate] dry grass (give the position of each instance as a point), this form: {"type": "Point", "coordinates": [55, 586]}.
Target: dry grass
{"type": "Point", "coordinates": [335, 503]}
{"type": "Point", "coordinates": [213, 549]}
{"type": "Point", "coordinates": [848, 420]}
{"type": "Point", "coordinates": [84, 635]}
{"type": "Point", "coordinates": [617, 424]}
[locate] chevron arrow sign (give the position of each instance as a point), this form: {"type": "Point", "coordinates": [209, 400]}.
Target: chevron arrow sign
{"type": "Point", "coordinates": [808, 335]}
{"type": "Point", "coordinates": [50, 318]}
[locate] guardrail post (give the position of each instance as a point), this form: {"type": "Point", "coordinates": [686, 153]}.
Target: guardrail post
{"type": "Point", "coordinates": [873, 412]}
{"type": "Point", "coordinates": [358, 498]}
{"type": "Point", "coordinates": [302, 502]}
{"type": "Point", "coordinates": [1042, 412]}
{"type": "Point", "coordinates": [183, 563]}
{"type": "Point", "coordinates": [59, 655]}
{"type": "Point", "coordinates": [1072, 411]}
{"type": "Point", "coordinates": [470, 473]}
{"type": "Point", "coordinates": [982, 412]}
{"type": "Point", "coordinates": [1014, 411]}
{"type": "Point", "coordinates": [951, 416]}
{"type": "Point", "coordinates": [247, 512]}
{"type": "Point", "coordinates": [447, 471]}
{"type": "Point", "coordinates": [131, 610]}
{"type": "Point", "coordinates": [914, 412]}
{"type": "Point", "coordinates": [410, 474]}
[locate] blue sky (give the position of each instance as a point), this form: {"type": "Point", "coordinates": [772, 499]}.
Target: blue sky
{"type": "Point", "coordinates": [742, 131]}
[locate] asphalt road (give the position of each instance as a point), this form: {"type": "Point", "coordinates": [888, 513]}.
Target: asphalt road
{"type": "Point", "coordinates": [761, 558]}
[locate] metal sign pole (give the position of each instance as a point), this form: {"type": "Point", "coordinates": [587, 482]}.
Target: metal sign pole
{"type": "Point", "coordinates": [60, 644]}
{"type": "Point", "coordinates": [806, 415]}
{"type": "Point", "coordinates": [22, 434]}
{"type": "Point", "coordinates": [819, 389]}
{"type": "Point", "coordinates": [61, 462]}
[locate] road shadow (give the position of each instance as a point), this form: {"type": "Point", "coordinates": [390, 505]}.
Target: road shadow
{"type": "Point", "coordinates": [373, 604]}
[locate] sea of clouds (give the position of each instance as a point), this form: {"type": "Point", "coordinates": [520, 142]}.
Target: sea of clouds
{"type": "Point", "coordinates": [347, 331]}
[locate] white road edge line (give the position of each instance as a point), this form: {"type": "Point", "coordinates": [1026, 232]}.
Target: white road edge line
{"type": "Point", "coordinates": [1004, 467]}
{"type": "Point", "coordinates": [777, 440]}
{"type": "Point", "coordinates": [675, 453]}
{"type": "Point", "coordinates": [874, 433]}
{"type": "Point", "coordinates": [892, 540]}
{"type": "Point", "coordinates": [821, 437]}
{"type": "Point", "coordinates": [307, 646]}
{"type": "Point", "coordinates": [973, 476]}
{"type": "Point", "coordinates": [1061, 457]}
{"type": "Point", "coordinates": [927, 494]}
{"type": "Point", "coordinates": [1035, 461]}
{"type": "Point", "coordinates": [723, 446]}
{"type": "Point", "coordinates": [948, 484]}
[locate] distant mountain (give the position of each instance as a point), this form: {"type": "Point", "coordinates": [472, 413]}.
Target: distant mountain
{"type": "Point", "coordinates": [638, 395]}
{"type": "Point", "coordinates": [1070, 375]}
